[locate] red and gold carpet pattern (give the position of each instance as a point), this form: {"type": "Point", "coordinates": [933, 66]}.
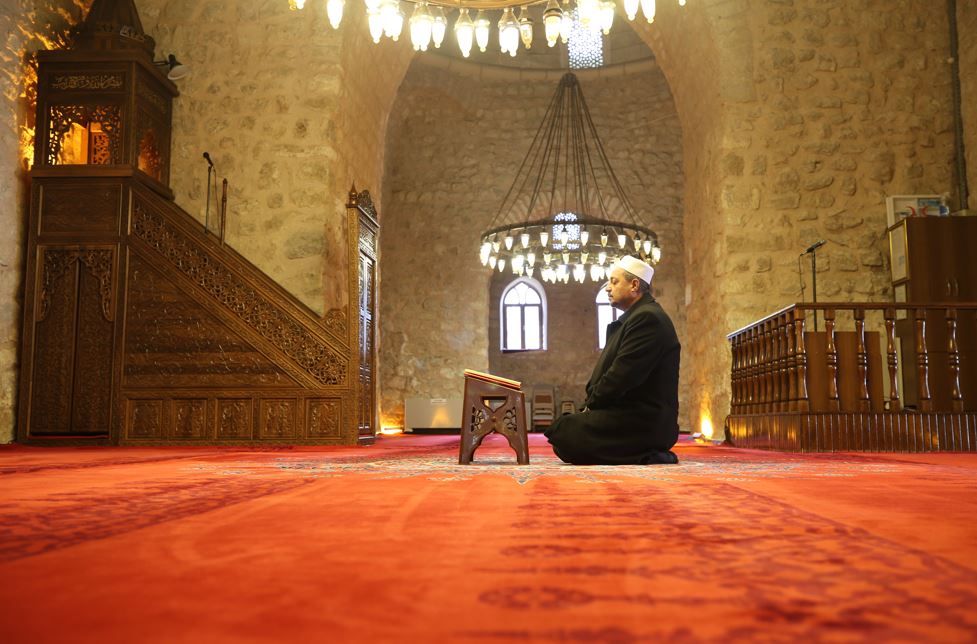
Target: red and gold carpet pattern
{"type": "Point", "coordinates": [397, 543]}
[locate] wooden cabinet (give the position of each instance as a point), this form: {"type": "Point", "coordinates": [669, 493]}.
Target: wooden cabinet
{"type": "Point", "coordinates": [934, 261]}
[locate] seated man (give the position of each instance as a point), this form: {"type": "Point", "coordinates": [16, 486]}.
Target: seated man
{"type": "Point", "coordinates": [631, 412]}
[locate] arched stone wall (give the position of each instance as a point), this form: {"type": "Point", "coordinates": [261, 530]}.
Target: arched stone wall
{"type": "Point", "coordinates": [799, 118]}
{"type": "Point", "coordinates": [456, 137]}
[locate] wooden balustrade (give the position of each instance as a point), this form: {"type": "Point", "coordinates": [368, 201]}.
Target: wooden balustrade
{"type": "Point", "coordinates": [891, 365]}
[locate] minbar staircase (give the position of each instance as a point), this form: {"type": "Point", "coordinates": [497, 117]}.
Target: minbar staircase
{"type": "Point", "coordinates": [140, 326]}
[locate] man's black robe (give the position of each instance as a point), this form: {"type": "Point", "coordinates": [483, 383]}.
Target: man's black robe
{"type": "Point", "coordinates": [632, 397]}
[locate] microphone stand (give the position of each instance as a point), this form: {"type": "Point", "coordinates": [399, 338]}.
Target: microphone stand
{"type": "Point", "coordinates": [814, 283]}
{"type": "Point", "coordinates": [210, 169]}
{"type": "Point", "coordinates": [223, 210]}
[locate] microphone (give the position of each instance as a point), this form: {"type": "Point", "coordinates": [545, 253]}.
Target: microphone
{"type": "Point", "coordinates": [207, 156]}
{"type": "Point", "coordinates": [813, 247]}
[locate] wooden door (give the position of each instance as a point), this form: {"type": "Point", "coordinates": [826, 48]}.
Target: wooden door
{"type": "Point", "coordinates": [72, 339]}
{"type": "Point", "coordinates": [367, 344]}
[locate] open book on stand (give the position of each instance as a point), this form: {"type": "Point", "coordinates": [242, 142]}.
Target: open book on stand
{"type": "Point", "coordinates": [498, 380]}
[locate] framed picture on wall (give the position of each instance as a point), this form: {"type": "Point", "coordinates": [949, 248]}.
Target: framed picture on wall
{"type": "Point", "coordinates": [898, 207]}
{"type": "Point", "coordinates": [898, 262]}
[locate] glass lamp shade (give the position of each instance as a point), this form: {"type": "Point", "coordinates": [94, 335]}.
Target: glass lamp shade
{"type": "Point", "coordinates": [656, 254]}
{"type": "Point", "coordinates": [588, 12]}
{"type": "Point", "coordinates": [482, 28]}
{"type": "Point", "coordinates": [648, 8]}
{"type": "Point", "coordinates": [525, 28]}
{"type": "Point", "coordinates": [420, 27]}
{"type": "Point", "coordinates": [509, 32]}
{"type": "Point", "coordinates": [606, 16]}
{"type": "Point", "coordinates": [439, 27]}
{"type": "Point", "coordinates": [631, 8]}
{"type": "Point", "coordinates": [552, 20]}
{"type": "Point", "coordinates": [393, 20]}
{"type": "Point", "coordinates": [372, 5]}
{"type": "Point", "coordinates": [566, 26]}
{"type": "Point", "coordinates": [375, 21]}
{"type": "Point", "coordinates": [297, 4]}
{"type": "Point", "coordinates": [334, 10]}
{"type": "Point", "coordinates": [464, 32]}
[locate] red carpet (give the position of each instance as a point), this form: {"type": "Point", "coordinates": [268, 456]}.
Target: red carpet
{"type": "Point", "coordinates": [396, 543]}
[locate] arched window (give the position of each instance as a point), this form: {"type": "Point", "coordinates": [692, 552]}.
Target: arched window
{"type": "Point", "coordinates": [523, 315]}
{"type": "Point", "coordinates": [605, 315]}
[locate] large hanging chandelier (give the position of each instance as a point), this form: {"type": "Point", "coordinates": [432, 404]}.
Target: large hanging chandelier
{"type": "Point", "coordinates": [566, 215]}
{"type": "Point", "coordinates": [428, 21]}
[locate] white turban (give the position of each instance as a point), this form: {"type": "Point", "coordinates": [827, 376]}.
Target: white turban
{"type": "Point", "coordinates": [636, 267]}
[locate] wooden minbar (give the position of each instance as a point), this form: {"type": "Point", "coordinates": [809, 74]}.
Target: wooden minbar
{"type": "Point", "coordinates": [493, 404]}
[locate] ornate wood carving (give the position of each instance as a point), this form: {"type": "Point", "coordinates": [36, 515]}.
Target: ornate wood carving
{"type": "Point", "coordinates": [277, 419]}
{"type": "Point", "coordinates": [189, 419]}
{"type": "Point", "coordinates": [87, 81]}
{"type": "Point", "coordinates": [106, 144]}
{"type": "Point", "coordinates": [234, 419]}
{"type": "Point", "coordinates": [263, 316]}
{"type": "Point", "coordinates": [100, 263]}
{"type": "Point", "coordinates": [145, 419]}
{"type": "Point", "coordinates": [325, 418]}
{"type": "Point", "coordinates": [80, 209]}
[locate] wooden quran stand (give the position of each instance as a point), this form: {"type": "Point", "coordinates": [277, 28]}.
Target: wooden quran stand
{"type": "Point", "coordinates": [493, 404]}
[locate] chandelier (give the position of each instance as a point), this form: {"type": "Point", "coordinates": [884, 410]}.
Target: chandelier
{"type": "Point", "coordinates": [566, 214]}
{"type": "Point", "coordinates": [428, 22]}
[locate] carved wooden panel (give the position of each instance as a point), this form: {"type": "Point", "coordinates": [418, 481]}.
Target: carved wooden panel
{"type": "Point", "coordinates": [144, 419]}
{"type": "Point", "coordinates": [84, 134]}
{"type": "Point", "coordinates": [240, 299]}
{"type": "Point", "coordinates": [325, 418]}
{"type": "Point", "coordinates": [71, 391]}
{"type": "Point", "coordinates": [172, 341]}
{"type": "Point", "coordinates": [80, 208]}
{"type": "Point", "coordinates": [234, 419]}
{"type": "Point", "coordinates": [277, 419]}
{"type": "Point", "coordinates": [188, 417]}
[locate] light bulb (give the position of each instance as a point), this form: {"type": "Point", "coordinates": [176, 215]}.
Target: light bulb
{"type": "Point", "coordinates": [531, 258]}
{"type": "Point", "coordinates": [297, 4]}
{"type": "Point", "coordinates": [656, 254]}
{"type": "Point", "coordinates": [637, 244]}
{"type": "Point", "coordinates": [584, 237]}
{"type": "Point", "coordinates": [501, 264]}
{"type": "Point", "coordinates": [552, 19]}
{"type": "Point", "coordinates": [420, 27]}
{"type": "Point", "coordinates": [566, 257]}
{"type": "Point", "coordinates": [393, 20]}
{"type": "Point", "coordinates": [529, 271]}
{"type": "Point", "coordinates": [484, 253]}
{"type": "Point", "coordinates": [622, 239]}
{"type": "Point", "coordinates": [601, 257]}
{"type": "Point", "coordinates": [524, 240]}
{"type": "Point", "coordinates": [372, 5]}
{"type": "Point", "coordinates": [606, 16]}
{"type": "Point", "coordinates": [517, 263]}
{"type": "Point", "coordinates": [631, 8]}
{"type": "Point", "coordinates": [564, 237]}
{"type": "Point", "coordinates": [647, 246]}
{"type": "Point", "coordinates": [334, 10]}
{"type": "Point", "coordinates": [375, 20]}
{"type": "Point", "coordinates": [496, 245]}
{"type": "Point", "coordinates": [544, 237]}
{"type": "Point", "coordinates": [648, 8]}
{"type": "Point", "coordinates": [508, 32]}
{"type": "Point", "coordinates": [482, 27]}
{"type": "Point", "coordinates": [464, 32]}
{"type": "Point", "coordinates": [493, 260]}
{"type": "Point", "coordinates": [508, 242]}
{"type": "Point", "coordinates": [547, 257]}
{"type": "Point", "coordinates": [583, 257]}
{"type": "Point", "coordinates": [603, 238]}
{"type": "Point", "coordinates": [566, 26]}
{"type": "Point", "coordinates": [681, 3]}
{"type": "Point", "coordinates": [525, 28]}
{"type": "Point", "coordinates": [438, 27]}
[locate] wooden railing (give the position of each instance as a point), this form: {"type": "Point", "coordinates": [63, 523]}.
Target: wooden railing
{"type": "Point", "coordinates": [782, 364]}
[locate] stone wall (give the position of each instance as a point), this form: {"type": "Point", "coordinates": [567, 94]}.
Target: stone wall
{"type": "Point", "coordinates": [967, 31]}
{"type": "Point", "coordinates": [30, 26]}
{"type": "Point", "coordinates": [454, 142]}
{"type": "Point", "coordinates": [293, 113]}
{"type": "Point", "coordinates": [822, 112]}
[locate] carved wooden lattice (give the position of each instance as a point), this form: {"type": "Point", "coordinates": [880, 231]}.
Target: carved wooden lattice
{"type": "Point", "coordinates": [99, 263]}
{"type": "Point", "coordinates": [105, 144]}
{"type": "Point", "coordinates": [258, 312]}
